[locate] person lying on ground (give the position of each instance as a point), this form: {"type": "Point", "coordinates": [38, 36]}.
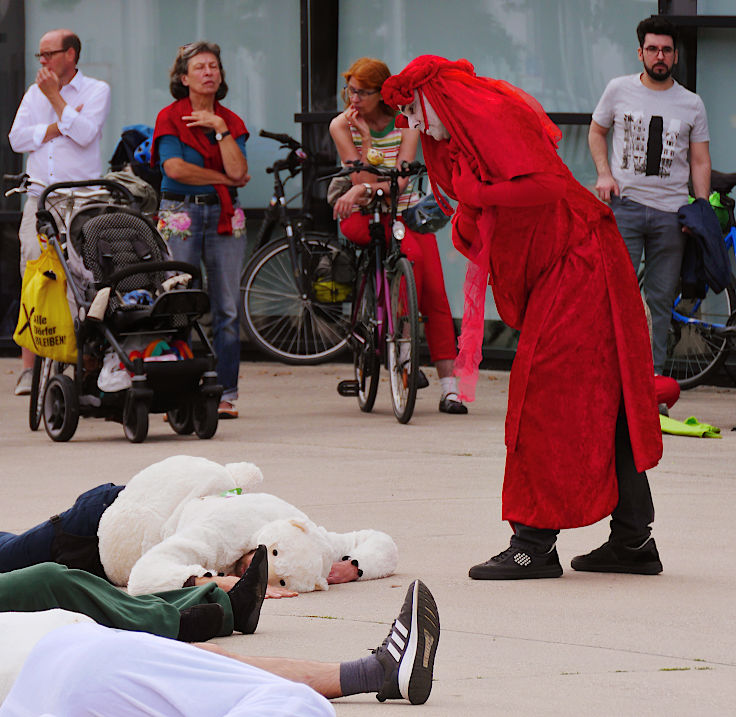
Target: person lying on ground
{"type": "Point", "coordinates": [191, 614]}
{"type": "Point", "coordinates": [87, 669]}
{"type": "Point", "coordinates": [185, 521]}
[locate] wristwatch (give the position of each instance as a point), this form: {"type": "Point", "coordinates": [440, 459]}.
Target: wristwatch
{"type": "Point", "coordinates": [219, 136]}
{"type": "Point", "coordinates": [368, 189]}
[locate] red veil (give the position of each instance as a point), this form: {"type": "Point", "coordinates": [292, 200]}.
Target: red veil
{"type": "Point", "coordinates": [470, 108]}
{"type": "Point", "coordinates": [495, 128]}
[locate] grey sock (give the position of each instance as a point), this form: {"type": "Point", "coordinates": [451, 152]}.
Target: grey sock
{"type": "Point", "coordinates": [358, 676]}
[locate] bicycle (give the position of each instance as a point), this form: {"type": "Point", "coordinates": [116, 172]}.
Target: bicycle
{"type": "Point", "coordinates": [60, 203]}
{"type": "Point", "coordinates": [296, 286]}
{"type": "Point", "coordinates": [385, 316]}
{"type": "Point", "coordinates": [702, 330]}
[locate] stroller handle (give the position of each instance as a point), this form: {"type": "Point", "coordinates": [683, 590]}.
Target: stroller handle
{"type": "Point", "coordinates": [107, 183]}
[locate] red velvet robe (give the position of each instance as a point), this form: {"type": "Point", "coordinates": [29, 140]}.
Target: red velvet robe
{"type": "Point", "coordinates": [561, 274]}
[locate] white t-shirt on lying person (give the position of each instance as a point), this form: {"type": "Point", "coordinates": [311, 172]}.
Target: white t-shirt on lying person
{"type": "Point", "coordinates": [94, 671]}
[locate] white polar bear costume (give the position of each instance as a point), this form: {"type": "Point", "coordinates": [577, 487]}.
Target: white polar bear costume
{"type": "Point", "coordinates": [171, 522]}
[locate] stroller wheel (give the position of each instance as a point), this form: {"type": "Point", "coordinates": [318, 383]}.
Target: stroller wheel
{"type": "Point", "coordinates": [180, 418]}
{"type": "Point", "coordinates": [205, 416]}
{"type": "Point", "coordinates": [61, 408]}
{"type": "Point", "coordinates": [135, 420]}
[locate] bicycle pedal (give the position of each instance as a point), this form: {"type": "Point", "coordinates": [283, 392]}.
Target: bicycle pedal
{"type": "Point", "coordinates": [348, 388]}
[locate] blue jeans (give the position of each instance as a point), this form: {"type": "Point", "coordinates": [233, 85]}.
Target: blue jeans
{"type": "Point", "coordinates": [34, 546]}
{"type": "Point", "coordinates": [659, 237]}
{"type": "Point", "coordinates": [223, 256]}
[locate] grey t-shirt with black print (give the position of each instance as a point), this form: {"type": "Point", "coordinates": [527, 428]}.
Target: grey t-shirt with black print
{"type": "Point", "coordinates": [652, 132]}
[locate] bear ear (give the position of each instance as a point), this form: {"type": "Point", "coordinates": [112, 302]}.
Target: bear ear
{"type": "Point", "coordinates": [299, 524]}
{"type": "Point", "coordinates": [245, 475]}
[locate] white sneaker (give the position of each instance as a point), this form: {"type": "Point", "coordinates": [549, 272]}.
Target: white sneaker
{"type": "Point", "coordinates": [23, 387]}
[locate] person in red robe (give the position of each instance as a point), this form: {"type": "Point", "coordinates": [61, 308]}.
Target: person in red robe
{"type": "Point", "coordinates": [582, 425]}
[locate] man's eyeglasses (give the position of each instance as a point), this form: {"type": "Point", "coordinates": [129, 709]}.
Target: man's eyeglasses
{"type": "Point", "coordinates": [666, 51]}
{"type": "Point", "coordinates": [48, 54]}
{"type": "Point", "coordinates": [360, 94]}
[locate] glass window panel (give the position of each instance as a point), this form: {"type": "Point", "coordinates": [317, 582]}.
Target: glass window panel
{"type": "Point", "coordinates": [131, 44]}
{"type": "Point", "coordinates": [716, 58]}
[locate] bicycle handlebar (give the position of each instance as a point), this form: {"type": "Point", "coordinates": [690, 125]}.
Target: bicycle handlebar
{"type": "Point", "coordinates": [111, 186]}
{"type": "Point", "coordinates": [285, 139]}
{"type": "Point", "coordinates": [14, 177]}
{"type": "Point", "coordinates": [407, 169]}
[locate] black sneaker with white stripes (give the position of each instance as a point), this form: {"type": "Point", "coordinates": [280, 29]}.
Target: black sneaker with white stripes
{"type": "Point", "coordinates": [518, 564]}
{"type": "Point", "coordinates": [407, 653]}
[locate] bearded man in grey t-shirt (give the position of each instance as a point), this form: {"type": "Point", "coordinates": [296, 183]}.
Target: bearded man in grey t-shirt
{"type": "Point", "coordinates": [660, 139]}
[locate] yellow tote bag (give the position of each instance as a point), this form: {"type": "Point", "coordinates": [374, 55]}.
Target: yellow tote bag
{"type": "Point", "coordinates": [45, 324]}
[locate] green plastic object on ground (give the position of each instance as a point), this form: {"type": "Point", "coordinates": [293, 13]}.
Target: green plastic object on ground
{"type": "Point", "coordinates": [689, 427]}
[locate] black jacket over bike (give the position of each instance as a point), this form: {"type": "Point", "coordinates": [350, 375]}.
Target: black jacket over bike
{"type": "Point", "coordinates": [705, 260]}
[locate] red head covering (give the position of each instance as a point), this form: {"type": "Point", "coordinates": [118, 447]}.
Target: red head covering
{"type": "Point", "coordinates": [484, 117]}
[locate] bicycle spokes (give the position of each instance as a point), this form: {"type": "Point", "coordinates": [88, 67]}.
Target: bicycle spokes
{"type": "Point", "coordinates": [697, 343]}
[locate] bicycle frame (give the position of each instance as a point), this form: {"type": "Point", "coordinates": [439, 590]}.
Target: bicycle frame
{"type": "Point", "coordinates": [385, 330]}
{"type": "Point", "coordinates": [730, 241]}
{"type": "Point", "coordinates": [383, 319]}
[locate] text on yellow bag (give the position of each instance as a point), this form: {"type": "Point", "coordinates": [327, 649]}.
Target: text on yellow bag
{"type": "Point", "coordinates": [45, 324]}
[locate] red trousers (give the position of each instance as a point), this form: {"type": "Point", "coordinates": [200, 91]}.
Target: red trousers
{"type": "Point", "coordinates": [422, 252]}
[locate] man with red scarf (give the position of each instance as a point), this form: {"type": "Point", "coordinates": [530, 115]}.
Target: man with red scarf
{"type": "Point", "coordinates": [561, 274]}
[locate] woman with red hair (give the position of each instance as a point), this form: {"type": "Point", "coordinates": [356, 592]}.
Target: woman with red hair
{"type": "Point", "coordinates": [582, 423]}
{"type": "Point", "coordinates": [366, 131]}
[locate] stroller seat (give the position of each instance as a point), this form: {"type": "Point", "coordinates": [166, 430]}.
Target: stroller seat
{"type": "Point", "coordinates": [113, 247]}
{"type": "Point", "coordinates": [111, 242]}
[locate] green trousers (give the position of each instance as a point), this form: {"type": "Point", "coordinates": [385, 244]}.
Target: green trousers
{"type": "Point", "coordinates": [49, 585]}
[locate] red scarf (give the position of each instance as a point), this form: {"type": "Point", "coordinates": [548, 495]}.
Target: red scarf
{"type": "Point", "coordinates": [169, 121]}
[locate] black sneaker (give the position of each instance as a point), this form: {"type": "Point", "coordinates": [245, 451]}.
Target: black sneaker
{"type": "Point", "coordinates": [200, 623]}
{"type": "Point", "coordinates": [407, 653]}
{"type": "Point", "coordinates": [518, 564]}
{"type": "Point", "coordinates": [246, 596]}
{"type": "Point", "coordinates": [616, 558]}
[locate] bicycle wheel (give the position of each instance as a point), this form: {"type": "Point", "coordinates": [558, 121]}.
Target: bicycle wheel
{"type": "Point", "coordinates": [42, 368]}
{"type": "Point", "coordinates": [695, 351]}
{"type": "Point", "coordinates": [281, 321]}
{"type": "Point", "coordinates": [366, 365]}
{"type": "Point", "coordinates": [402, 345]}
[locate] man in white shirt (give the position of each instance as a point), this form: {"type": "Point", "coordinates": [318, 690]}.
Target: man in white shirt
{"type": "Point", "coordinates": [59, 123]}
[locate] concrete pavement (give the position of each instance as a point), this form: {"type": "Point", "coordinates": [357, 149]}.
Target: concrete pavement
{"type": "Point", "coordinates": [584, 644]}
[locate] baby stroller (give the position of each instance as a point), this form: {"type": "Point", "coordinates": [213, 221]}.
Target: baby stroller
{"type": "Point", "coordinates": [134, 319]}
